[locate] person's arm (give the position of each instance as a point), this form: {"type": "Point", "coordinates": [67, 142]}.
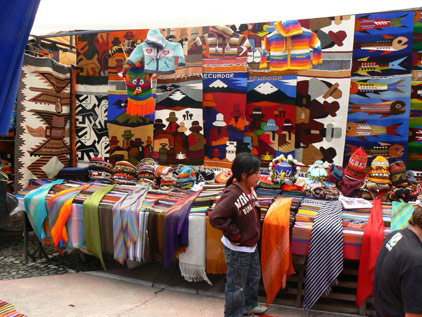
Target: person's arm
{"type": "Point", "coordinates": [221, 218]}
{"type": "Point", "coordinates": [411, 290]}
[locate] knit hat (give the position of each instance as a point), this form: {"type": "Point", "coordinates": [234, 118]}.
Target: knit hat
{"type": "Point", "coordinates": [380, 172]}
{"type": "Point", "coordinates": [100, 170]}
{"type": "Point", "coordinates": [357, 164]}
{"type": "Point", "coordinates": [124, 173]}
{"type": "Point", "coordinates": [398, 172]}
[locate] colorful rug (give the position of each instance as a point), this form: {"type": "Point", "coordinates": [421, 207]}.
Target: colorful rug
{"type": "Point", "coordinates": [383, 44]}
{"type": "Point", "coordinates": [91, 60]}
{"type": "Point", "coordinates": [270, 116]}
{"type": "Point", "coordinates": [378, 116]}
{"type": "Point", "coordinates": [8, 310]}
{"type": "Point", "coordinates": [131, 101]}
{"type": "Point", "coordinates": [42, 133]}
{"type": "Point", "coordinates": [91, 123]}
{"type": "Point", "coordinates": [321, 116]}
{"type": "Point", "coordinates": [415, 123]}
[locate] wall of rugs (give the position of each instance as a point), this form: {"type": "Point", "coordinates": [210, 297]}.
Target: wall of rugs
{"type": "Point", "coordinates": [230, 94]}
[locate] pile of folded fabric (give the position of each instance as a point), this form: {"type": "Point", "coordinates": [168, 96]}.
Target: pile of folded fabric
{"type": "Point", "coordinates": [145, 171]}
{"type": "Point", "coordinates": [164, 175]}
{"type": "Point", "coordinates": [124, 173]}
{"type": "Point", "coordinates": [100, 170]}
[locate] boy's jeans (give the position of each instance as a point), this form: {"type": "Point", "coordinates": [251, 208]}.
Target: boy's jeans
{"type": "Point", "coordinates": [242, 282]}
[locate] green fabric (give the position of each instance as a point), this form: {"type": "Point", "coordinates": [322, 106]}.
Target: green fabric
{"type": "Point", "coordinates": [92, 222]}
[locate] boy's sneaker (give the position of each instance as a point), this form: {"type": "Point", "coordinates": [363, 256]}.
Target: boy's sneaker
{"type": "Point", "coordinates": [258, 310]}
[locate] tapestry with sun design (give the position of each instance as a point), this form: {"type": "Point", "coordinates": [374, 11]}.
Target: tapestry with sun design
{"type": "Point", "coordinates": [42, 132]}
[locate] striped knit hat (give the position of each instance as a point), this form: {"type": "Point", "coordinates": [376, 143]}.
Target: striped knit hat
{"type": "Point", "coordinates": [357, 164]}
{"type": "Point", "coordinates": [124, 173]}
{"type": "Point", "coordinates": [398, 172]}
{"type": "Point", "coordinates": [380, 172]}
{"type": "Point", "coordinates": [100, 170]}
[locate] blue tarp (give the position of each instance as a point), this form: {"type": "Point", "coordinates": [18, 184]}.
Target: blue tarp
{"type": "Point", "coordinates": [16, 20]}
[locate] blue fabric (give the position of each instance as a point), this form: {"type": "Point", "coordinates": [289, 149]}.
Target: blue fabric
{"type": "Point", "coordinates": [16, 20]}
{"type": "Point", "coordinates": [36, 208]}
{"type": "Point", "coordinates": [242, 281]}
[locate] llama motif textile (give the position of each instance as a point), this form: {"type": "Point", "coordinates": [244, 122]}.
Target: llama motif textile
{"type": "Point", "coordinates": [225, 77]}
{"type": "Point", "coordinates": [42, 133]}
{"type": "Point", "coordinates": [91, 111]}
{"type": "Point", "coordinates": [378, 117]}
{"type": "Point", "coordinates": [415, 122]}
{"type": "Point", "coordinates": [270, 116]}
{"type": "Point", "coordinates": [383, 44]}
{"type": "Point", "coordinates": [321, 114]}
{"type": "Point", "coordinates": [91, 58]}
{"type": "Point", "coordinates": [178, 127]}
{"type": "Point", "coordinates": [131, 100]}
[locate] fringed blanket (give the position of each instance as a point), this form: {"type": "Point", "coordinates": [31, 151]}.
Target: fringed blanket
{"type": "Point", "coordinates": [192, 262]}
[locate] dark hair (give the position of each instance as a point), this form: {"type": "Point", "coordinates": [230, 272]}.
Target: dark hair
{"type": "Point", "coordinates": [244, 163]}
{"type": "Point", "coordinates": [416, 219]}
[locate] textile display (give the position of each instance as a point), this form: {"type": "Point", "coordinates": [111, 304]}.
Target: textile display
{"type": "Point", "coordinates": [42, 146]}
{"type": "Point", "coordinates": [276, 258]}
{"type": "Point", "coordinates": [176, 229]}
{"type": "Point", "coordinates": [270, 116]}
{"type": "Point", "coordinates": [36, 208]}
{"type": "Point", "coordinates": [224, 66]}
{"type": "Point", "coordinates": [192, 261]}
{"type": "Point", "coordinates": [327, 247]}
{"type": "Point", "coordinates": [383, 44]}
{"type": "Point", "coordinates": [140, 250]}
{"type": "Point", "coordinates": [336, 35]}
{"type": "Point", "coordinates": [216, 262]}
{"type": "Point", "coordinates": [9, 310]}
{"type": "Point", "coordinates": [92, 222]}
{"type": "Point", "coordinates": [415, 123]}
{"type": "Point", "coordinates": [321, 116]}
{"type": "Point", "coordinates": [373, 239]}
{"type": "Point", "coordinates": [92, 53]}
{"type": "Point", "coordinates": [378, 116]}
{"type": "Point", "coordinates": [16, 20]}
{"type": "Point", "coordinates": [401, 214]}
{"type": "Point", "coordinates": [91, 112]}
{"type": "Point", "coordinates": [178, 126]}
{"type": "Point", "coordinates": [131, 100]}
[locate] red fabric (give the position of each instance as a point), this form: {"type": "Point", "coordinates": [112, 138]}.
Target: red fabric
{"type": "Point", "coordinates": [373, 239]}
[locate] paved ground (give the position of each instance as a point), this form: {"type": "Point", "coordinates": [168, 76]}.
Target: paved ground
{"type": "Point", "coordinates": [72, 286]}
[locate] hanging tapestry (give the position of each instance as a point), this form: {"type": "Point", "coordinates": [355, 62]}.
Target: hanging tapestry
{"type": "Point", "coordinates": [414, 160]}
{"type": "Point", "coordinates": [321, 116]}
{"type": "Point", "coordinates": [131, 100]}
{"type": "Point", "coordinates": [91, 58]}
{"type": "Point", "coordinates": [91, 123]}
{"type": "Point", "coordinates": [178, 127]}
{"type": "Point", "coordinates": [225, 77]}
{"type": "Point", "coordinates": [42, 133]}
{"type": "Point", "coordinates": [378, 116]}
{"type": "Point", "coordinates": [383, 44]}
{"type": "Point", "coordinates": [270, 116]}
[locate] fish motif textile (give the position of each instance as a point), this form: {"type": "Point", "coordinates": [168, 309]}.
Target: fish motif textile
{"type": "Point", "coordinates": [42, 133]}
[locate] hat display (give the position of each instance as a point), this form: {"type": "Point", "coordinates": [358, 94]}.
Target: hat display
{"type": "Point", "coordinates": [100, 170]}
{"type": "Point", "coordinates": [219, 121]}
{"type": "Point", "coordinates": [357, 164]}
{"type": "Point", "coordinates": [398, 172]}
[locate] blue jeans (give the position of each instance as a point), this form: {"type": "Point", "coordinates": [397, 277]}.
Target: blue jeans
{"type": "Point", "coordinates": [242, 281]}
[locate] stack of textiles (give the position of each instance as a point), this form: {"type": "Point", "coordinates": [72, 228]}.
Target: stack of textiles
{"type": "Point", "coordinates": [145, 171]}
{"type": "Point", "coordinates": [124, 173]}
{"type": "Point", "coordinates": [305, 217]}
{"type": "Point", "coordinates": [266, 197]}
{"type": "Point", "coordinates": [185, 176]}
{"type": "Point", "coordinates": [212, 191]}
{"type": "Point", "coordinates": [296, 201]}
{"type": "Point", "coordinates": [204, 201]}
{"type": "Point", "coordinates": [354, 224]}
{"type": "Point", "coordinates": [100, 170]}
{"type": "Point", "coordinates": [74, 173]}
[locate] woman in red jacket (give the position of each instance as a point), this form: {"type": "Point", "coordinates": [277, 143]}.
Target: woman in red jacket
{"type": "Point", "coordinates": [237, 214]}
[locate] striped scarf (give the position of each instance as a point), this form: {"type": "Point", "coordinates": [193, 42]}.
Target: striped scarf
{"type": "Point", "coordinates": [400, 216]}
{"type": "Point", "coordinates": [126, 222]}
{"type": "Point", "coordinates": [325, 259]}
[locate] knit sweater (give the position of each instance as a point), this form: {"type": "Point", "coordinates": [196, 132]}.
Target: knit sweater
{"type": "Point", "coordinates": [159, 54]}
{"type": "Point", "coordinates": [288, 47]}
{"type": "Point", "coordinates": [237, 216]}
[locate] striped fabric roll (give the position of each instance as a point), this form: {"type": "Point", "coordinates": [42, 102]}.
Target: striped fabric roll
{"type": "Point", "coordinates": [325, 260]}
{"type": "Point", "coordinates": [400, 215]}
